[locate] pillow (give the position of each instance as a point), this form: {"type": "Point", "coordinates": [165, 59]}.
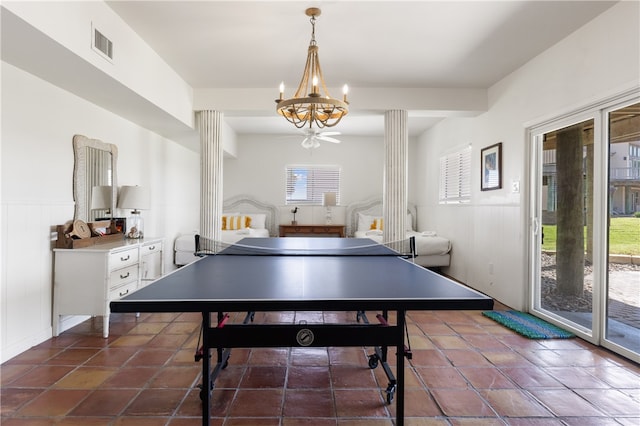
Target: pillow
{"type": "Point", "coordinates": [378, 223]}
{"type": "Point", "coordinates": [364, 222]}
{"type": "Point", "coordinates": [258, 220]}
{"type": "Point", "coordinates": [230, 223]}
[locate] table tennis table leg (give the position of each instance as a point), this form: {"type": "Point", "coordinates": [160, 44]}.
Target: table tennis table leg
{"type": "Point", "coordinates": [380, 355]}
{"type": "Point", "coordinates": [205, 392]}
{"type": "Point", "coordinates": [400, 324]}
{"type": "Point", "coordinates": [396, 383]}
{"type": "Point", "coordinates": [209, 376]}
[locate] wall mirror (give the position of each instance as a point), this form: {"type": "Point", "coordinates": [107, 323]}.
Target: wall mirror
{"type": "Point", "coordinates": [94, 178]}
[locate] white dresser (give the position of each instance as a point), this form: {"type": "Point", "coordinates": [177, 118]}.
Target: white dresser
{"type": "Point", "coordinates": [87, 279]}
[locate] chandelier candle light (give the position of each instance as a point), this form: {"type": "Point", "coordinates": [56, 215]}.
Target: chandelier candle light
{"type": "Point", "coordinates": [312, 103]}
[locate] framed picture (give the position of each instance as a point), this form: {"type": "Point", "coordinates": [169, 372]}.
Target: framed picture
{"type": "Point", "coordinates": [491, 167]}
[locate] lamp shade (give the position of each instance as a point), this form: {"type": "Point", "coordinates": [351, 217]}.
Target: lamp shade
{"type": "Point", "coordinates": [329, 199]}
{"type": "Point", "coordinates": [134, 197]}
{"type": "Point", "coordinates": [101, 197]}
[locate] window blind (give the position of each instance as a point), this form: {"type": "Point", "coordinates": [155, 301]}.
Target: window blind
{"type": "Point", "coordinates": [455, 176]}
{"type": "Point", "coordinates": [307, 184]}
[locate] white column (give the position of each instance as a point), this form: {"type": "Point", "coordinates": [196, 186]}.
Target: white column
{"type": "Point", "coordinates": [211, 155]}
{"type": "Point", "coordinates": [396, 142]}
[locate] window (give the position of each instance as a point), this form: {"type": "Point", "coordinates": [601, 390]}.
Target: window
{"type": "Point", "coordinates": [306, 184]}
{"type": "Point", "coordinates": [455, 176]}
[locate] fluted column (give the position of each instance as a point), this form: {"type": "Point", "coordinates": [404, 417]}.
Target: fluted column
{"type": "Point", "coordinates": [211, 154]}
{"type": "Point", "coordinates": [396, 143]}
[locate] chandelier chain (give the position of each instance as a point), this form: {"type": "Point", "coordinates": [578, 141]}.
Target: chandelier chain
{"type": "Point", "coordinates": [313, 30]}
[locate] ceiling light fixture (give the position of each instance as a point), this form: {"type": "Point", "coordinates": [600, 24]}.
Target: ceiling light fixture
{"type": "Point", "coordinates": [312, 103]}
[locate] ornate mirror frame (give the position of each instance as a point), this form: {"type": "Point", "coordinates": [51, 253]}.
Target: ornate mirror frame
{"type": "Point", "coordinates": [82, 162]}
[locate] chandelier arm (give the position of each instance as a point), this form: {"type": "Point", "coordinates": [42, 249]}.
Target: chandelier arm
{"type": "Point", "coordinates": [321, 82]}
{"type": "Point", "coordinates": [303, 87]}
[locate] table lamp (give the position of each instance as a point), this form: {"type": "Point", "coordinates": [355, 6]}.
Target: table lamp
{"type": "Point", "coordinates": [328, 200]}
{"type": "Point", "coordinates": [136, 198]}
{"type": "Point", "coordinates": [101, 200]}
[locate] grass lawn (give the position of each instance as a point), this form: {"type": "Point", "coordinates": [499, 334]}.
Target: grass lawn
{"type": "Point", "coordinates": [624, 236]}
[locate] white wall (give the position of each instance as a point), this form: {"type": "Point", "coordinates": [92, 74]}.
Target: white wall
{"type": "Point", "coordinates": [38, 124]}
{"type": "Point", "coordinates": [594, 62]}
{"type": "Point", "coordinates": [135, 64]}
{"type": "Point", "coordinates": [259, 170]}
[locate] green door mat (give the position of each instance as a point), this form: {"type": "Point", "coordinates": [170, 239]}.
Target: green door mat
{"type": "Point", "coordinates": [528, 325]}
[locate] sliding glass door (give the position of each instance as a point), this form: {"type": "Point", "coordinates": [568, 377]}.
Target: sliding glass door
{"type": "Point", "coordinates": [622, 324]}
{"type": "Point", "coordinates": [565, 221]}
{"type": "Point", "coordinates": [585, 236]}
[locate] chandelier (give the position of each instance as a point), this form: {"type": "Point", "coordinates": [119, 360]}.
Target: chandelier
{"type": "Point", "coordinates": [312, 103]}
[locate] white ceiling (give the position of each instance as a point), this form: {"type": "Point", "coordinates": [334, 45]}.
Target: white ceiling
{"type": "Point", "coordinates": [367, 44]}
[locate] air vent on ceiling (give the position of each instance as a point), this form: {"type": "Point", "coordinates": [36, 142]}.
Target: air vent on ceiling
{"type": "Point", "coordinates": [102, 44]}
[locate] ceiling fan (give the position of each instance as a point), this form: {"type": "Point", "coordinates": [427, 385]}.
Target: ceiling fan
{"type": "Point", "coordinates": [313, 137]}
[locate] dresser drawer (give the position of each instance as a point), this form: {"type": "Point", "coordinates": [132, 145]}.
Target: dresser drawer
{"type": "Point", "coordinates": [151, 248]}
{"type": "Point", "coordinates": [122, 291]}
{"type": "Point", "coordinates": [312, 230]}
{"type": "Point", "coordinates": [123, 276]}
{"type": "Point", "coordinates": [123, 258]}
{"type": "Point", "coordinates": [324, 230]}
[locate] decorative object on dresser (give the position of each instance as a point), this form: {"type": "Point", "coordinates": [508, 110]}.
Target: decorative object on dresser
{"type": "Point", "coordinates": [294, 211]}
{"type": "Point", "coordinates": [78, 234]}
{"type": "Point", "coordinates": [86, 279]}
{"type": "Point", "coordinates": [312, 231]}
{"type": "Point", "coordinates": [136, 198]}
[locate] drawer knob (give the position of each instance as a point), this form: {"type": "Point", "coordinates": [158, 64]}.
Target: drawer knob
{"type": "Point", "coordinates": [122, 277]}
{"type": "Point", "coordinates": [152, 247]}
{"type": "Point", "coordinates": [124, 293]}
{"type": "Point", "coordinates": [124, 259]}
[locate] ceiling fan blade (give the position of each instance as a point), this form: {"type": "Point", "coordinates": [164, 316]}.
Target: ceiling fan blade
{"type": "Point", "coordinates": [329, 133]}
{"type": "Point", "coordinates": [328, 139]}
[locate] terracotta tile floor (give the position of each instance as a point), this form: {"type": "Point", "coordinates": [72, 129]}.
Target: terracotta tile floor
{"type": "Point", "coordinates": [466, 370]}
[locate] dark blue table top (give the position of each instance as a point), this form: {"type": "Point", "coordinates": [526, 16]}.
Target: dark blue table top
{"type": "Point", "coordinates": [376, 279]}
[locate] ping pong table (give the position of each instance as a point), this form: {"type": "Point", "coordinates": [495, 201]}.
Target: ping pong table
{"type": "Point", "coordinates": [303, 274]}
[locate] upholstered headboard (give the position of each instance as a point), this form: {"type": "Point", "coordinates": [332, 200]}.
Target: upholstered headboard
{"type": "Point", "coordinates": [371, 207]}
{"type": "Point", "coordinates": [247, 204]}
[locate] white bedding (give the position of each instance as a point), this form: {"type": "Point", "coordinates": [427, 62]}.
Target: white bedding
{"type": "Point", "coordinates": [235, 236]}
{"type": "Point", "coordinates": [432, 250]}
{"type": "Point", "coordinates": [427, 243]}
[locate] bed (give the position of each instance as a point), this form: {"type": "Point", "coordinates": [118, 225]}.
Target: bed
{"type": "Point", "coordinates": [237, 213]}
{"type": "Point", "coordinates": [432, 249]}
